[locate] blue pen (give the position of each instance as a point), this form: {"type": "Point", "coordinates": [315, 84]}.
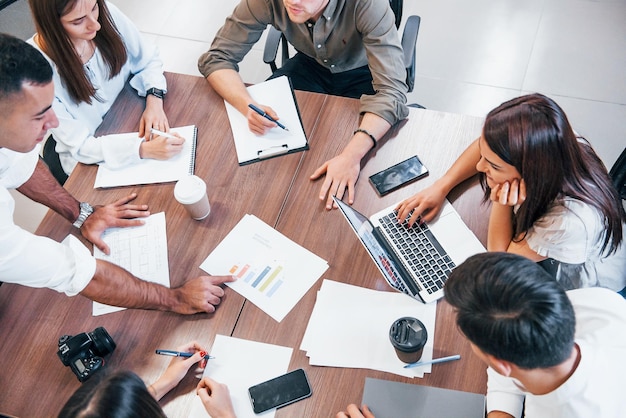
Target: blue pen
{"type": "Point", "coordinates": [266, 116]}
{"type": "Point", "coordinates": [179, 354]}
{"type": "Point", "coordinates": [434, 361]}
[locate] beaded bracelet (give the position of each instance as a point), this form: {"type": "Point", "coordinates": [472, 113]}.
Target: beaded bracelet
{"type": "Point", "coordinates": [368, 134]}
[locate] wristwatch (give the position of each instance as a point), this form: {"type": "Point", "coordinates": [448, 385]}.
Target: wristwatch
{"type": "Point", "coordinates": [85, 210]}
{"type": "Point", "coordinates": [156, 92]}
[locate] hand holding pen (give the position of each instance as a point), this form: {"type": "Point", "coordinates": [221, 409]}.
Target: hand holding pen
{"type": "Point", "coordinates": [183, 359]}
{"type": "Point", "coordinates": [259, 126]}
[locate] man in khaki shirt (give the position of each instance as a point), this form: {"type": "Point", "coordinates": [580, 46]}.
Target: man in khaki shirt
{"type": "Point", "coordinates": [347, 48]}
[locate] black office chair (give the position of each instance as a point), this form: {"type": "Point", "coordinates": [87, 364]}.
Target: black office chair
{"type": "Point", "coordinates": [409, 40]}
{"type": "Point", "coordinates": [51, 158]}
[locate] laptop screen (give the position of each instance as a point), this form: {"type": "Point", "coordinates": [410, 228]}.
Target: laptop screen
{"type": "Point", "coordinates": [365, 231]}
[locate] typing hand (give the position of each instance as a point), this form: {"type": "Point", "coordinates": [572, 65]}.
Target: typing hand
{"type": "Point", "coordinates": [353, 411]}
{"type": "Point", "coordinates": [509, 193]}
{"type": "Point", "coordinates": [201, 294]}
{"type": "Point", "coordinates": [161, 147]}
{"type": "Point", "coordinates": [117, 214]}
{"type": "Point", "coordinates": [259, 124]}
{"type": "Point", "coordinates": [425, 205]}
{"type": "Point", "coordinates": [178, 369]}
{"type": "Point", "coordinates": [342, 172]}
{"type": "Point", "coordinates": [215, 398]}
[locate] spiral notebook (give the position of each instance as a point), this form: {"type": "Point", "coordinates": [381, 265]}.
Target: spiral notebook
{"type": "Point", "coordinates": [153, 171]}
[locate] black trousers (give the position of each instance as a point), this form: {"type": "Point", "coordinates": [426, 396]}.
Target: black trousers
{"type": "Point", "coordinates": [306, 74]}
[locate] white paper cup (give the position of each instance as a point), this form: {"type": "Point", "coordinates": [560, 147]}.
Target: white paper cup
{"type": "Point", "coordinates": [191, 193]}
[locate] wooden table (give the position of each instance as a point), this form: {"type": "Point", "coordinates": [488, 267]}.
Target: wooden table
{"type": "Point", "coordinates": [35, 383]}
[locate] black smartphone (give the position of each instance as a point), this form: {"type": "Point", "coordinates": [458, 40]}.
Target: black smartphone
{"type": "Point", "coordinates": [398, 175]}
{"type": "Point", "coordinates": [280, 391]}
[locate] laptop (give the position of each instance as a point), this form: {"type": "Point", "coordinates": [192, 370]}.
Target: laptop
{"type": "Point", "coordinates": [416, 260]}
{"type": "Point", "coordinates": [387, 399]}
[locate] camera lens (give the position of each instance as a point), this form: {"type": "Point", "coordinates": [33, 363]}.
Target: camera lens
{"type": "Point", "coordinates": [103, 344]}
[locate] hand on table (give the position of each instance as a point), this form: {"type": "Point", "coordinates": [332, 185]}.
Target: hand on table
{"type": "Point", "coordinates": [117, 214]}
{"type": "Point", "coordinates": [353, 411]}
{"type": "Point", "coordinates": [153, 117]}
{"type": "Point", "coordinates": [161, 147]}
{"type": "Point", "coordinates": [215, 398]}
{"type": "Point", "coordinates": [425, 205]}
{"type": "Point", "coordinates": [178, 368]}
{"type": "Point", "coordinates": [509, 193]}
{"type": "Point", "coordinates": [201, 294]}
{"type": "Point", "coordinates": [258, 124]}
{"type": "Point", "coordinates": [342, 172]}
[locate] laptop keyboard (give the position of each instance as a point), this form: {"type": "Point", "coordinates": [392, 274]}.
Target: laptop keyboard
{"type": "Point", "coordinates": [421, 251]}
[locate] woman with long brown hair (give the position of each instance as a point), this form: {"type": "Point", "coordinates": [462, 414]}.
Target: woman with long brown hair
{"type": "Point", "coordinates": [551, 197]}
{"type": "Point", "coordinates": [94, 49]}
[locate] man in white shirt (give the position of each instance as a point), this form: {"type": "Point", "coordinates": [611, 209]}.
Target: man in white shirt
{"type": "Point", "coordinates": [26, 94]}
{"type": "Point", "coordinates": [550, 352]}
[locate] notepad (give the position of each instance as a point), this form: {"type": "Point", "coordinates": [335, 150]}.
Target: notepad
{"type": "Point", "coordinates": [277, 94]}
{"type": "Point", "coordinates": [149, 171]}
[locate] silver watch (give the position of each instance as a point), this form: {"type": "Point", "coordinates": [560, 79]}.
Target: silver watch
{"type": "Point", "coordinates": [85, 210]}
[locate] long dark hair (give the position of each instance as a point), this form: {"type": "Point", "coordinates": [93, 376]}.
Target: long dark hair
{"type": "Point", "coordinates": [119, 395]}
{"type": "Point", "coordinates": [55, 42]}
{"type": "Point", "coordinates": [532, 134]}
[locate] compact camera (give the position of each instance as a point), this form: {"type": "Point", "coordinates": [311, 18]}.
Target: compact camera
{"type": "Point", "coordinates": [84, 353]}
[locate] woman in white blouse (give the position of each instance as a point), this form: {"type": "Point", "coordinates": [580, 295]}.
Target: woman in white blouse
{"type": "Point", "coordinates": [94, 49]}
{"type": "Point", "coordinates": [552, 200]}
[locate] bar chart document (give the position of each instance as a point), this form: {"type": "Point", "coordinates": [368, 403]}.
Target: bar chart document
{"type": "Point", "coordinates": [272, 271]}
{"type": "Point", "coordinates": [142, 250]}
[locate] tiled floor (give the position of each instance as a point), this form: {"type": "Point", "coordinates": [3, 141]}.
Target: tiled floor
{"type": "Point", "coordinates": [472, 55]}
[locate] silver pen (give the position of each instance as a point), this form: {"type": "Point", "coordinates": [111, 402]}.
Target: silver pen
{"type": "Point", "coordinates": [161, 133]}
{"type": "Point", "coordinates": [433, 361]}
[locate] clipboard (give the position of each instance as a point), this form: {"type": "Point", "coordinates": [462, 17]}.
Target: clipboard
{"type": "Point", "coordinates": [251, 148]}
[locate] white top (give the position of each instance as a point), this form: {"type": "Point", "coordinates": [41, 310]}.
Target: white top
{"type": "Point", "coordinates": [78, 122]}
{"type": "Point", "coordinates": [595, 389]}
{"type": "Point", "coordinates": [572, 233]}
{"type": "Point", "coordinates": [28, 259]}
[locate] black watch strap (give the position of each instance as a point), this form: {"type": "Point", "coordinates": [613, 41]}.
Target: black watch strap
{"type": "Point", "coordinates": [156, 92]}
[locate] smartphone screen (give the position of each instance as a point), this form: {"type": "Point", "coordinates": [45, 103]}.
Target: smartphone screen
{"type": "Point", "coordinates": [280, 391]}
{"type": "Point", "coordinates": [398, 175]}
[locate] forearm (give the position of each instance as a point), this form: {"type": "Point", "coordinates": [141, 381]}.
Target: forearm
{"type": "Point", "coordinates": [361, 143]}
{"type": "Point", "coordinates": [499, 414]}
{"type": "Point", "coordinates": [463, 168]}
{"type": "Point", "coordinates": [229, 85]}
{"type": "Point", "coordinates": [112, 285]}
{"type": "Point", "coordinates": [500, 232]}
{"type": "Point", "coordinates": [43, 188]}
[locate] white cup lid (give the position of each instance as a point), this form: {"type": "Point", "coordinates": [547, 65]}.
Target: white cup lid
{"type": "Point", "coordinates": [189, 189]}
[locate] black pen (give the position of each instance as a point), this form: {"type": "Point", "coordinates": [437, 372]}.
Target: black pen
{"type": "Point", "coordinates": [180, 354]}
{"type": "Point", "coordinates": [266, 116]}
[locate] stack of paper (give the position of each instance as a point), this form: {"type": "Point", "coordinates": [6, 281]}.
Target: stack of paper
{"type": "Point", "coordinates": [142, 250]}
{"type": "Point", "coordinates": [349, 327]}
{"type": "Point", "coordinates": [272, 271]}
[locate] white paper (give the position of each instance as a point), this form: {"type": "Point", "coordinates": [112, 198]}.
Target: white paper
{"type": "Point", "coordinates": [142, 250]}
{"type": "Point", "coordinates": [277, 94]}
{"type": "Point", "coordinates": [272, 271]}
{"type": "Point", "coordinates": [148, 170]}
{"type": "Point", "coordinates": [240, 364]}
{"type": "Point", "coordinates": [357, 321]}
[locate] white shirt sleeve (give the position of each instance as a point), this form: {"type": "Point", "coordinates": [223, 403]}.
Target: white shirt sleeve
{"type": "Point", "coordinates": [503, 395]}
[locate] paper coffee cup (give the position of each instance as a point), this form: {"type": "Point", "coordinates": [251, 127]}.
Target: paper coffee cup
{"type": "Point", "coordinates": [191, 193]}
{"type": "Point", "coordinates": [408, 336]}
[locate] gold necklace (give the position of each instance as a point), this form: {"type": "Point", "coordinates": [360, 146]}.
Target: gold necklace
{"type": "Point", "coordinates": [87, 44]}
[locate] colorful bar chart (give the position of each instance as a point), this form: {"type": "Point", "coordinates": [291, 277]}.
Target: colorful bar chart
{"type": "Point", "coordinates": [267, 279]}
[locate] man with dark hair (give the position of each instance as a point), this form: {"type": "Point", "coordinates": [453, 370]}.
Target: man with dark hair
{"type": "Point", "coordinates": [550, 352]}
{"type": "Point", "coordinates": [26, 94]}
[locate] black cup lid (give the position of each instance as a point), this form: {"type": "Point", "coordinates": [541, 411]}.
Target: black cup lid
{"type": "Point", "coordinates": [408, 334]}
